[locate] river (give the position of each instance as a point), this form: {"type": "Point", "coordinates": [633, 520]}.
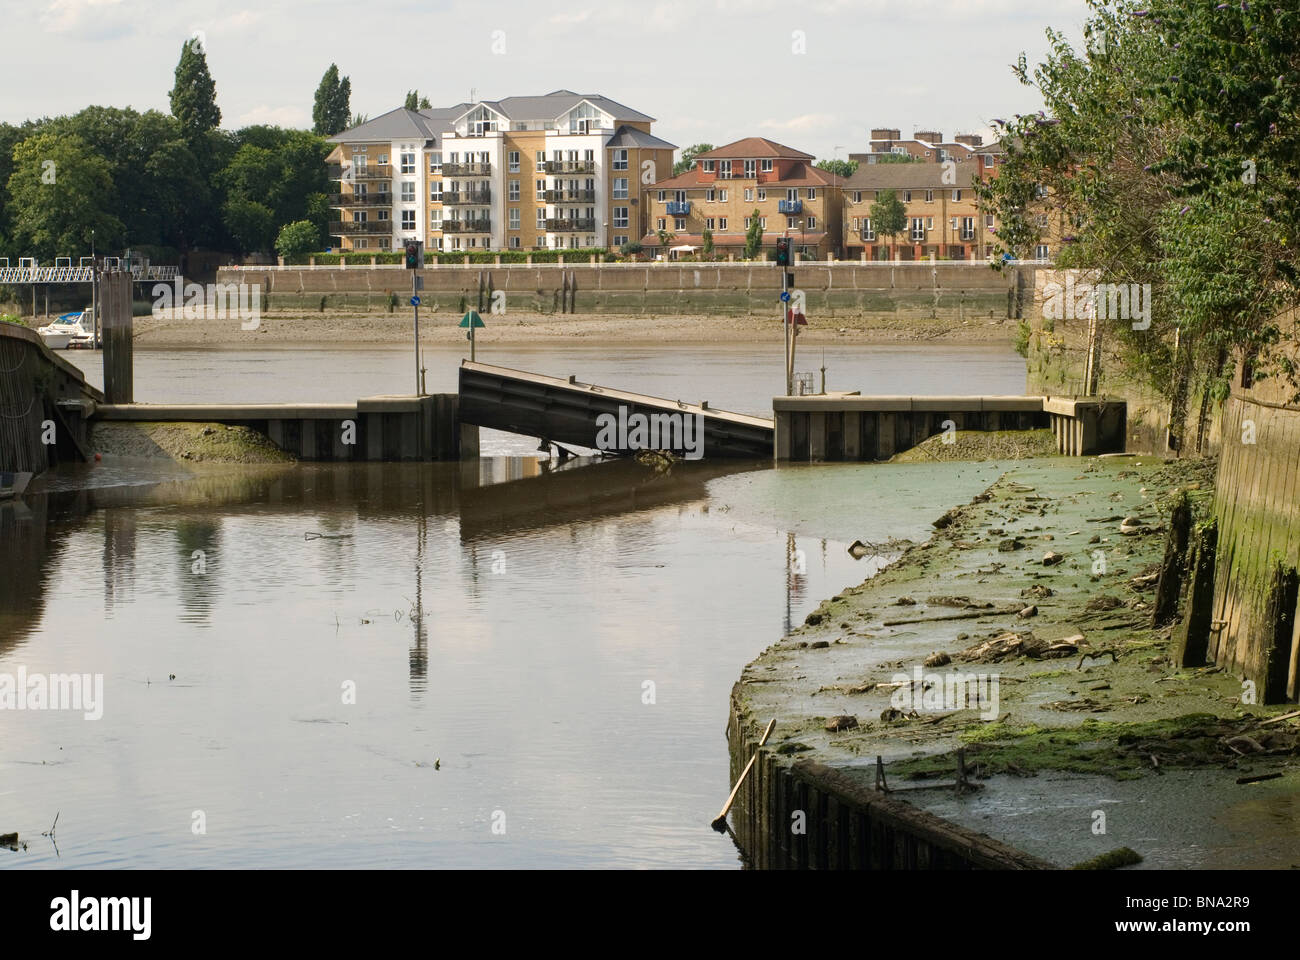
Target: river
{"type": "Point", "coordinates": [502, 663]}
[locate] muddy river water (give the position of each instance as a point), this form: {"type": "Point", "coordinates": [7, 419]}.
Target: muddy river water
{"type": "Point", "coordinates": [497, 663]}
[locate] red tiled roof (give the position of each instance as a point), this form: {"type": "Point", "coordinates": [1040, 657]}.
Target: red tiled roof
{"type": "Point", "coordinates": [803, 174]}
{"type": "Point", "coordinates": [755, 147]}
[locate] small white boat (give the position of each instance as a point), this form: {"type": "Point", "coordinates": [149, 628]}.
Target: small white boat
{"type": "Point", "coordinates": [70, 330]}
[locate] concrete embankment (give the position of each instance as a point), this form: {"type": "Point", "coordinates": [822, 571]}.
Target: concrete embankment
{"type": "Point", "coordinates": [965, 291]}
{"type": "Point", "coordinates": [1014, 652]}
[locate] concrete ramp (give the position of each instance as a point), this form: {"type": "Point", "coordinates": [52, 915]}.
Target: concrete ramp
{"type": "Point", "coordinates": [566, 411]}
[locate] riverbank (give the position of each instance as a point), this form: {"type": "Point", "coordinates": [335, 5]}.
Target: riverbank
{"type": "Point", "coordinates": [522, 328]}
{"type": "Point", "coordinates": [1020, 635]}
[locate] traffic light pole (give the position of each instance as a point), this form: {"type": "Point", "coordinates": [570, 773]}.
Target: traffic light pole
{"type": "Point", "coordinates": [414, 288]}
{"type": "Point", "coordinates": [785, 324]}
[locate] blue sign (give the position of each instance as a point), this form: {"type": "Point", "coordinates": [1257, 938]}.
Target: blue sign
{"type": "Point", "coordinates": [415, 301]}
{"type": "Point", "coordinates": [785, 296]}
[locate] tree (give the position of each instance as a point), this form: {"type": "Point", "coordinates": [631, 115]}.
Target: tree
{"type": "Point", "coordinates": [61, 193]}
{"type": "Point", "coordinates": [666, 238]}
{"type": "Point", "coordinates": [688, 157]}
{"type": "Point", "coordinates": [358, 119]}
{"type": "Point", "coordinates": [888, 215]}
{"type": "Point", "coordinates": [332, 105]}
{"type": "Point", "coordinates": [416, 102]}
{"type": "Point", "coordinates": [896, 158]}
{"type": "Point", "coordinates": [841, 168]}
{"type": "Point", "coordinates": [298, 238]}
{"type": "Point", "coordinates": [754, 236]}
{"type": "Point", "coordinates": [194, 95]}
{"type": "Point", "coordinates": [706, 244]}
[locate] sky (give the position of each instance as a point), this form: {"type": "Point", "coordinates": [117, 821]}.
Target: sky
{"type": "Point", "coordinates": [814, 74]}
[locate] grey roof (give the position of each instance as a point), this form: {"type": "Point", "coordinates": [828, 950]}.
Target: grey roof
{"type": "Point", "coordinates": [908, 176]}
{"type": "Point", "coordinates": [553, 104]}
{"type": "Point", "coordinates": [626, 136]}
{"type": "Point", "coordinates": [399, 124]}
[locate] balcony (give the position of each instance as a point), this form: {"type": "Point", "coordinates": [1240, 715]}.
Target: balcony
{"type": "Point", "coordinates": [467, 169]}
{"type": "Point", "coordinates": [571, 226]}
{"type": "Point", "coordinates": [371, 171]}
{"type": "Point", "coordinates": [570, 196]}
{"type": "Point", "coordinates": [570, 166]}
{"type": "Point", "coordinates": [679, 208]}
{"type": "Point", "coordinates": [481, 225]}
{"type": "Point", "coordinates": [349, 227]}
{"type": "Point", "coordinates": [791, 207]}
{"type": "Point", "coordinates": [361, 200]}
{"type": "Point", "coordinates": [468, 197]}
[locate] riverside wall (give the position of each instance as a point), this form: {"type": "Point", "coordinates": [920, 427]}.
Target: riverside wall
{"type": "Point", "coordinates": [908, 289]}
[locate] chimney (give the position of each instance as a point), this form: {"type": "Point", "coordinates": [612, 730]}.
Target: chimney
{"type": "Point", "coordinates": [929, 136]}
{"type": "Point", "coordinates": [885, 133]}
{"type": "Point", "coordinates": [971, 140]}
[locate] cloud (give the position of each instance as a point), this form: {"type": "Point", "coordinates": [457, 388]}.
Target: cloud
{"type": "Point", "coordinates": [64, 16]}
{"type": "Point", "coordinates": [274, 116]}
{"type": "Point", "coordinates": [804, 123]}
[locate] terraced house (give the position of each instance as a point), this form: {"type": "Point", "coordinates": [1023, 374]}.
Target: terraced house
{"type": "Point", "coordinates": [562, 170]}
{"type": "Point", "coordinates": [728, 186]}
{"type": "Point", "coordinates": [943, 218]}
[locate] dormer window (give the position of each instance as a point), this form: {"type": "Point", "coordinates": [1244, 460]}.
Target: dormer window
{"type": "Point", "coordinates": [766, 166]}
{"type": "Point", "coordinates": [708, 165]}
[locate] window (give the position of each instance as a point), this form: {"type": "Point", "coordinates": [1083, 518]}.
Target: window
{"type": "Point", "coordinates": [988, 221]}
{"type": "Point", "coordinates": [360, 244]}
{"type": "Point", "coordinates": [514, 218]}
{"type": "Point", "coordinates": [513, 157]}
{"type": "Point", "coordinates": [1041, 252]}
{"type": "Point", "coordinates": [541, 161]}
{"type": "Point", "coordinates": [907, 196]}
{"type": "Point", "coordinates": [929, 223]}
{"type": "Point", "coordinates": [620, 188]}
{"type": "Point", "coordinates": [792, 194]}
{"type": "Point", "coordinates": [929, 196]}
{"type": "Point", "coordinates": [762, 222]}
{"type": "Point", "coordinates": [408, 192]}
{"type": "Point", "coordinates": [762, 193]}
{"type": "Point", "coordinates": [408, 219]}
{"type": "Point", "coordinates": [722, 223]}
{"type": "Point", "coordinates": [541, 243]}
{"type": "Point", "coordinates": [515, 243]}
{"type": "Point", "coordinates": [868, 233]}
{"type": "Point", "coordinates": [710, 166]}
{"type": "Point", "coordinates": [724, 169]}
{"type": "Point", "coordinates": [857, 196]}
{"type": "Point", "coordinates": [749, 194]}
{"type": "Point", "coordinates": [621, 241]}
{"type": "Point", "coordinates": [541, 189]}
{"type": "Point", "coordinates": [408, 163]}
{"type": "Point", "coordinates": [620, 160]}
{"type": "Point", "coordinates": [722, 196]}
{"type": "Point", "coordinates": [513, 190]}
{"type": "Point", "coordinates": [812, 223]}
{"type": "Point", "coordinates": [968, 228]}
{"type": "Point", "coordinates": [766, 166]}
{"type": "Point", "coordinates": [812, 193]}
{"type": "Point", "coordinates": [541, 218]}
{"type": "Point", "coordinates": [679, 223]}
{"type": "Point", "coordinates": [435, 162]}
{"type": "Point", "coordinates": [791, 223]}
{"type": "Point", "coordinates": [918, 228]}
{"type": "Point", "coordinates": [663, 196]}
{"type": "Point", "coordinates": [708, 223]}
{"type": "Point", "coordinates": [435, 191]}
{"type": "Point", "coordinates": [620, 217]}
{"type": "Point", "coordinates": [1041, 221]}
{"type": "Point", "coordinates": [663, 224]}
{"type": "Point", "coordinates": [435, 220]}
{"type": "Point", "coordinates": [679, 196]}
{"type": "Point", "coordinates": [710, 195]}
{"type": "Point", "coordinates": [751, 169]}
{"type": "Point", "coordinates": [589, 156]}
{"type": "Point", "coordinates": [956, 196]}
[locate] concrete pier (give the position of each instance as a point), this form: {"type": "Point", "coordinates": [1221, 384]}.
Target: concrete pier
{"type": "Point", "coordinates": [384, 428]}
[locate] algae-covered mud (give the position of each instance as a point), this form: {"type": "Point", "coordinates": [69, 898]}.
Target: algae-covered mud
{"type": "Point", "coordinates": [193, 442]}
{"type": "Point", "coordinates": [1019, 638]}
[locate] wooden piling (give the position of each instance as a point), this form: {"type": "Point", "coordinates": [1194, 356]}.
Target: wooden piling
{"type": "Point", "coordinates": [1279, 624]}
{"type": "Point", "coordinates": [1192, 636]}
{"type": "Point", "coordinates": [1169, 586]}
{"type": "Point", "coordinates": [115, 301]}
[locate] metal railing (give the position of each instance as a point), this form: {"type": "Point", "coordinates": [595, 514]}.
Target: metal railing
{"type": "Point", "coordinates": [570, 166]}
{"type": "Point", "coordinates": [679, 208]}
{"type": "Point", "coordinates": [371, 171]}
{"type": "Point", "coordinates": [339, 228]}
{"type": "Point", "coordinates": [791, 207]}
{"type": "Point", "coordinates": [466, 169]}
{"type": "Point", "coordinates": [479, 225]}
{"type": "Point", "coordinates": [570, 196]}
{"type": "Point", "coordinates": [450, 197]}
{"type": "Point", "coordinates": [361, 200]}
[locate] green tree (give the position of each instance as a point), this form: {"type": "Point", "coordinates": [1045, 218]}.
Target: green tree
{"type": "Point", "coordinates": [416, 102]}
{"type": "Point", "coordinates": [896, 158]}
{"type": "Point", "coordinates": [666, 238]}
{"type": "Point", "coordinates": [333, 103]}
{"type": "Point", "coordinates": [753, 236]}
{"type": "Point", "coordinates": [61, 193]}
{"type": "Point", "coordinates": [688, 157]}
{"type": "Point", "coordinates": [298, 238]}
{"type": "Point", "coordinates": [888, 215]}
{"type": "Point", "coordinates": [841, 168]}
{"type": "Point", "coordinates": [194, 95]}
{"type": "Point", "coordinates": [706, 244]}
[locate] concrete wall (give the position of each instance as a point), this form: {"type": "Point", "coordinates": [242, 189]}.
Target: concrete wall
{"type": "Point", "coordinates": [840, 289]}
